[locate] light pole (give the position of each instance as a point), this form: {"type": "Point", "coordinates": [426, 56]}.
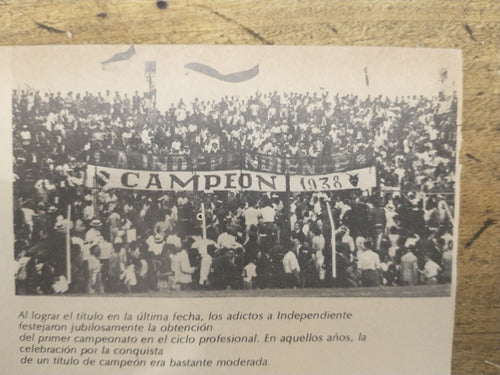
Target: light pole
{"type": "Point", "coordinates": [150, 72]}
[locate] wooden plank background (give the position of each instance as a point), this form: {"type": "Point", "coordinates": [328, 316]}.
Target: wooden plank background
{"type": "Point", "coordinates": [473, 26]}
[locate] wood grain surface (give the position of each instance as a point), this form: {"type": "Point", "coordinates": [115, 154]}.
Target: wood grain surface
{"type": "Point", "coordinates": [472, 26]}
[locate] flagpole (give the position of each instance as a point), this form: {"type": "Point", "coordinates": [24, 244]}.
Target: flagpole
{"type": "Point", "coordinates": [68, 245]}
{"type": "Point", "coordinates": [333, 243]}
{"type": "Point", "coordinates": [95, 190]}
{"type": "Point", "coordinates": [288, 201]}
{"type": "Point", "coordinates": [203, 221]}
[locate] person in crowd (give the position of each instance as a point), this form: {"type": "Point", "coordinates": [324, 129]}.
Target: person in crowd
{"type": "Point", "coordinates": [21, 274]}
{"type": "Point", "coordinates": [32, 274]}
{"type": "Point", "coordinates": [369, 265]}
{"type": "Point", "coordinates": [174, 240]}
{"type": "Point", "coordinates": [447, 264]}
{"type": "Point", "coordinates": [388, 271]}
{"type": "Point", "coordinates": [268, 216]}
{"type": "Point", "coordinates": [318, 248]}
{"type": "Point", "coordinates": [409, 274]}
{"type": "Point", "coordinates": [129, 278]}
{"type": "Point", "coordinates": [106, 250]}
{"type": "Point", "coordinates": [251, 244]}
{"type": "Point", "coordinates": [309, 276]}
{"type": "Point", "coordinates": [291, 267]}
{"type": "Point", "coordinates": [182, 268]}
{"type": "Point", "coordinates": [95, 267]}
{"type": "Point", "coordinates": [431, 271]}
{"type": "Point", "coordinates": [278, 276]}
{"type": "Point", "coordinates": [264, 269]}
{"type": "Point", "coordinates": [94, 233]}
{"type": "Point", "coordinates": [166, 225]}
{"type": "Point", "coordinates": [204, 260]}
{"type": "Point", "coordinates": [225, 273]}
{"type": "Point", "coordinates": [249, 274]}
{"type": "Point", "coordinates": [116, 268]}
{"type": "Point", "coordinates": [79, 270]}
{"type": "Point", "coordinates": [251, 216]}
{"type": "Point", "coordinates": [155, 243]}
{"type": "Point", "coordinates": [47, 277]}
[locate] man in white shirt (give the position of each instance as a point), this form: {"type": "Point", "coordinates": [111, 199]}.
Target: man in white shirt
{"type": "Point", "coordinates": [227, 240]}
{"type": "Point", "coordinates": [88, 211]}
{"type": "Point", "coordinates": [291, 267]}
{"type": "Point", "coordinates": [318, 245]}
{"type": "Point", "coordinates": [94, 232]}
{"type": "Point", "coordinates": [369, 265]}
{"type": "Point", "coordinates": [249, 274]}
{"type": "Point", "coordinates": [106, 249]}
{"type": "Point", "coordinates": [201, 244]}
{"type": "Point", "coordinates": [431, 271]}
{"type": "Point", "coordinates": [268, 215]}
{"type": "Point", "coordinates": [251, 215]}
{"type": "Point", "coordinates": [28, 218]}
{"type": "Point", "coordinates": [182, 269]}
{"type": "Point", "coordinates": [155, 244]}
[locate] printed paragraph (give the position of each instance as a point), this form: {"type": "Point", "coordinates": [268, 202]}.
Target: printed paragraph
{"type": "Point", "coordinates": [148, 339]}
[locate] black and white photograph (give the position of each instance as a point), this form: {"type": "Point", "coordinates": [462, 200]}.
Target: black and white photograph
{"type": "Point", "coordinates": [232, 171]}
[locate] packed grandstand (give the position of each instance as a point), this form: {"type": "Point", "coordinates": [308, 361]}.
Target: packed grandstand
{"type": "Point", "coordinates": [79, 236]}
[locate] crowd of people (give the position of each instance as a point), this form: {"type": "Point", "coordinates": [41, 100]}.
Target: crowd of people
{"type": "Point", "coordinates": [400, 233]}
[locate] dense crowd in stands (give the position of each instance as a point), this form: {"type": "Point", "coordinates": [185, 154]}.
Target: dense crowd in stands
{"type": "Point", "coordinates": [400, 233]}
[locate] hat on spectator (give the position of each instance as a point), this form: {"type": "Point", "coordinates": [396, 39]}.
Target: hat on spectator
{"type": "Point", "coordinates": [158, 238]}
{"type": "Point", "coordinates": [390, 205]}
{"type": "Point", "coordinates": [95, 223]}
{"type": "Point", "coordinates": [59, 225]}
{"type": "Point", "coordinates": [52, 209]}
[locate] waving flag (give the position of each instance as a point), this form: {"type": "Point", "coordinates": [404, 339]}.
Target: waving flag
{"type": "Point", "coordinates": [241, 76]}
{"type": "Point", "coordinates": [120, 56]}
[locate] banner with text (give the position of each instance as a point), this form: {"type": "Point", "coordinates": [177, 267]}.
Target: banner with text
{"type": "Point", "coordinates": [364, 178]}
{"type": "Point", "coordinates": [234, 180]}
{"type": "Point", "coordinates": [231, 180]}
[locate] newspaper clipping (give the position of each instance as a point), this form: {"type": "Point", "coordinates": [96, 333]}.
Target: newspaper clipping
{"type": "Point", "coordinates": [229, 209]}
